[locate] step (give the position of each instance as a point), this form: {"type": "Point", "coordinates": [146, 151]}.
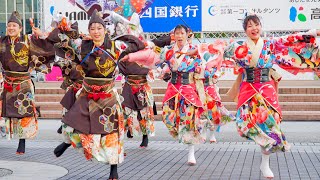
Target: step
{"type": "Point", "coordinates": [301, 115]}
{"type": "Point", "coordinates": [49, 106]}
{"type": "Point", "coordinates": [285, 106]}
{"type": "Point", "coordinates": [48, 97]}
{"type": "Point", "coordinates": [222, 83]}
{"type": "Point", "coordinates": [223, 90]}
{"type": "Point", "coordinates": [50, 91]}
{"type": "Point", "coordinates": [51, 114]}
{"type": "Point", "coordinates": [282, 98]}
{"type": "Point", "coordinates": [282, 90]}
{"type": "Point", "coordinates": [287, 115]}
{"type": "Point", "coordinates": [224, 98]}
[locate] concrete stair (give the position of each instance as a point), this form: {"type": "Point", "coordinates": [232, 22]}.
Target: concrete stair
{"type": "Point", "coordinates": [299, 100]}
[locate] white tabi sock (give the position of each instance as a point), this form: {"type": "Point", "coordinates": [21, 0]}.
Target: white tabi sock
{"type": "Point", "coordinates": [265, 168]}
{"type": "Point", "coordinates": [191, 158]}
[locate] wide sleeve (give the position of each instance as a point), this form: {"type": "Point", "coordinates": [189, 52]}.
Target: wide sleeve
{"type": "Point", "coordinates": [212, 55]}
{"type": "Point", "coordinates": [297, 52]}
{"type": "Point", "coordinates": [162, 41]}
{"type": "Point", "coordinates": [235, 55]}
{"type": "Point", "coordinates": [199, 65]}
{"type": "Point", "coordinates": [150, 55]}
{"type": "Point", "coordinates": [229, 51]}
{"type": "Point", "coordinates": [127, 44]}
{"type": "Point", "coordinates": [66, 45]}
{"type": "Point", "coordinates": [42, 53]}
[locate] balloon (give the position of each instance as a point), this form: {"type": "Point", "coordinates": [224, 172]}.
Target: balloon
{"type": "Point", "coordinates": [137, 4]}
{"type": "Point", "coordinates": [127, 10]}
{"type": "Point", "coordinates": [51, 10]}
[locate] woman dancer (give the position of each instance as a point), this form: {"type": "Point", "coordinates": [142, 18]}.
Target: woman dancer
{"type": "Point", "coordinates": [19, 54]}
{"type": "Point", "coordinates": [95, 121]}
{"type": "Point", "coordinates": [259, 115]}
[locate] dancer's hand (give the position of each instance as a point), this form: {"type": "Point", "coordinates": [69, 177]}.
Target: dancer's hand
{"type": "Point", "coordinates": [318, 32]}
{"type": "Point", "coordinates": [86, 37]}
{"type": "Point", "coordinates": [37, 31]}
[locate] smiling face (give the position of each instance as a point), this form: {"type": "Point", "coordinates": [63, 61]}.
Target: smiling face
{"type": "Point", "coordinates": [13, 29]}
{"type": "Point", "coordinates": [97, 32]}
{"type": "Point", "coordinates": [253, 30]}
{"type": "Point", "coordinates": [180, 36]}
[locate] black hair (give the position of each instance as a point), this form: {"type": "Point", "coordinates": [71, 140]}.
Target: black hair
{"type": "Point", "coordinates": [180, 26]}
{"type": "Point", "coordinates": [254, 18]}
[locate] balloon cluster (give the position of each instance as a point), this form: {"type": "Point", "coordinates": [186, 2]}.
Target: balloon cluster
{"type": "Point", "coordinates": [123, 7]}
{"type": "Point", "coordinates": [134, 6]}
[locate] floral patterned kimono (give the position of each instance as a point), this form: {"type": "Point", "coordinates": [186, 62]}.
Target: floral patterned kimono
{"type": "Point", "coordinates": [95, 121]}
{"type": "Point", "coordinates": [138, 99]}
{"type": "Point", "coordinates": [259, 115]}
{"type": "Point", "coordinates": [216, 113]}
{"type": "Point", "coordinates": [139, 106]}
{"type": "Point", "coordinates": [18, 57]}
{"type": "Point", "coordinates": [182, 106]}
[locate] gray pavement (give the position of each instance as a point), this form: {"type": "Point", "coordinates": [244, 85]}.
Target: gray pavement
{"type": "Point", "coordinates": [295, 131]}
{"type": "Point", "coordinates": [231, 158]}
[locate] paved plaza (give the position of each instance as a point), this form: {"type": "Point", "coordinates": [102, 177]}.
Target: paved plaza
{"type": "Point", "coordinates": [231, 158]}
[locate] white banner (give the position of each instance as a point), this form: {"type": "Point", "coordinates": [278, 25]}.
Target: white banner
{"type": "Point", "coordinates": [72, 12]}
{"type": "Point", "coordinates": [227, 15]}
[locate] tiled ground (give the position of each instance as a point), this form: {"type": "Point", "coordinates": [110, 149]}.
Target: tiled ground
{"type": "Point", "coordinates": [167, 160]}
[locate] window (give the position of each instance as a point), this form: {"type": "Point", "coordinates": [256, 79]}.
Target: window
{"type": "Point", "coordinates": [26, 8]}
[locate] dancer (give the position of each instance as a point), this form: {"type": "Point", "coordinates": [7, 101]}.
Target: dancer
{"type": "Point", "coordinates": [95, 121]}
{"type": "Point", "coordinates": [72, 72]}
{"type": "Point", "coordinates": [20, 54]}
{"type": "Point", "coordinates": [73, 75]}
{"type": "Point", "coordinates": [182, 106]}
{"type": "Point", "coordinates": [259, 115]}
{"type": "Point", "coordinates": [216, 113]}
{"type": "Point", "coordinates": [139, 106]}
{"type": "Point", "coordinates": [138, 98]}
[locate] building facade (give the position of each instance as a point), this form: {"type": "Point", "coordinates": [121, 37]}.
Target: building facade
{"type": "Point", "coordinates": [26, 8]}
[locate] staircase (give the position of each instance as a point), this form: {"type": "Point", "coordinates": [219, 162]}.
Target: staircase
{"type": "Point", "coordinates": [299, 100]}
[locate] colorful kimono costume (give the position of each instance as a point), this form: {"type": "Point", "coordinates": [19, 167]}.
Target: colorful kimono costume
{"type": "Point", "coordinates": [65, 59]}
{"type": "Point", "coordinates": [259, 115]}
{"type": "Point", "coordinates": [216, 113]}
{"type": "Point", "coordinates": [95, 121]}
{"type": "Point", "coordinates": [182, 106]}
{"type": "Point", "coordinates": [139, 105]}
{"type": "Point", "coordinates": [72, 83]}
{"type": "Point", "coordinates": [138, 99]}
{"type": "Point", "coordinates": [18, 103]}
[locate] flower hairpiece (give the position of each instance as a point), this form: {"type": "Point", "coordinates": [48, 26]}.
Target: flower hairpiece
{"type": "Point", "coordinates": [248, 13]}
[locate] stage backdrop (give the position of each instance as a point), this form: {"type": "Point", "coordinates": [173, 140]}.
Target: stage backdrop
{"type": "Point", "coordinates": [276, 15]}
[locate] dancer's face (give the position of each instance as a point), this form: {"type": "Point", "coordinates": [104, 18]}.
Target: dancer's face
{"type": "Point", "coordinates": [97, 32]}
{"type": "Point", "coordinates": [253, 30]}
{"type": "Point", "coordinates": [180, 36]}
{"type": "Point", "coordinates": [13, 29]}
